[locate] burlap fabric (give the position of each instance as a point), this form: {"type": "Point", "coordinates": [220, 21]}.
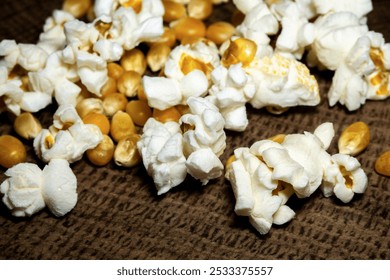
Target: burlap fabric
{"type": "Point", "coordinates": [120, 216]}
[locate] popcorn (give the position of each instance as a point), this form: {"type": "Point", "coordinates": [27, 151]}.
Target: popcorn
{"type": "Point", "coordinates": [256, 192]}
{"type": "Point", "coordinates": [161, 148]}
{"type": "Point", "coordinates": [92, 71]}
{"type": "Point", "coordinates": [129, 29]}
{"type": "Point", "coordinates": [30, 57]}
{"type": "Point", "coordinates": [29, 189]}
{"type": "Point", "coordinates": [297, 32]}
{"type": "Point", "coordinates": [345, 179]}
{"type": "Point", "coordinates": [336, 33]}
{"type": "Point", "coordinates": [364, 74]}
{"type": "Point", "coordinates": [358, 7]}
{"type": "Point", "coordinates": [264, 176]}
{"type": "Point", "coordinates": [282, 82]}
{"type": "Point", "coordinates": [71, 142]}
{"type": "Point", "coordinates": [187, 71]}
{"type": "Point", "coordinates": [259, 22]}
{"type": "Point", "coordinates": [204, 165]}
{"type": "Point", "coordinates": [208, 126]}
{"type": "Point", "coordinates": [205, 142]}
{"type": "Point", "coordinates": [232, 88]}
{"type": "Point", "coordinates": [58, 79]}
{"type": "Point", "coordinates": [53, 36]}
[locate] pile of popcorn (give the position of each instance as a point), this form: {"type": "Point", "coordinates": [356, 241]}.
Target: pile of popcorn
{"type": "Point", "coordinates": [147, 81]}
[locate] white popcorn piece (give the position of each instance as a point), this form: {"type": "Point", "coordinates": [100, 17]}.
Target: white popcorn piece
{"type": "Point", "coordinates": [22, 190]}
{"type": "Point", "coordinates": [309, 151]}
{"type": "Point", "coordinates": [53, 36]}
{"type": "Point", "coordinates": [208, 126]}
{"type": "Point", "coordinates": [69, 144]}
{"type": "Point", "coordinates": [65, 116]}
{"type": "Point", "coordinates": [358, 7]}
{"type": "Point", "coordinates": [57, 78]}
{"type": "Point", "coordinates": [92, 70]}
{"type": "Point", "coordinates": [187, 72]}
{"type": "Point", "coordinates": [257, 193]}
{"type": "Point", "coordinates": [28, 189]}
{"type": "Point", "coordinates": [129, 28]}
{"type": "Point", "coordinates": [336, 33]}
{"type": "Point", "coordinates": [364, 74]}
{"type": "Point", "coordinates": [108, 50]}
{"type": "Point", "coordinates": [105, 7]}
{"type": "Point", "coordinates": [282, 82]}
{"type": "Point", "coordinates": [161, 148]}
{"type": "Point", "coordinates": [232, 88]}
{"type": "Point", "coordinates": [204, 165]}
{"type": "Point", "coordinates": [297, 32]}
{"type": "Point", "coordinates": [348, 88]}
{"type": "Point", "coordinates": [203, 144]}
{"type": "Point", "coordinates": [258, 23]}
{"type": "Point", "coordinates": [162, 93]}
{"type": "Point", "coordinates": [59, 188]}
{"type": "Point", "coordinates": [346, 179]}
{"type": "Point", "coordinates": [16, 99]}
{"type": "Point", "coordinates": [307, 8]}
{"type": "Point", "coordinates": [245, 6]}
{"type": "Point", "coordinates": [30, 57]}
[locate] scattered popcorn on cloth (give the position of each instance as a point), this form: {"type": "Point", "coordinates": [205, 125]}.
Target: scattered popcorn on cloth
{"type": "Point", "coordinates": [264, 176]}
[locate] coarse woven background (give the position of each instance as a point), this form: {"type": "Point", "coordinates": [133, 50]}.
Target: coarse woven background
{"type": "Point", "coordinates": [120, 216]}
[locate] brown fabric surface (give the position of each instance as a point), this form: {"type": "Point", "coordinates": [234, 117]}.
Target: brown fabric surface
{"type": "Point", "coordinates": [120, 216]}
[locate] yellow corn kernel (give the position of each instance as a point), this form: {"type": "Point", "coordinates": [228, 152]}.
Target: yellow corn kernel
{"type": "Point", "coordinates": [122, 126]}
{"type": "Point", "coordinates": [200, 9]}
{"type": "Point", "coordinates": [99, 120]}
{"type": "Point", "coordinates": [382, 164]}
{"type": "Point", "coordinates": [141, 93]}
{"type": "Point", "coordinates": [188, 27]}
{"type": "Point", "coordinates": [220, 31]}
{"type": "Point", "coordinates": [126, 152]}
{"type": "Point", "coordinates": [139, 111]}
{"type": "Point", "coordinates": [78, 8]}
{"type": "Point", "coordinates": [128, 83]}
{"type": "Point", "coordinates": [109, 87]}
{"type": "Point", "coordinates": [240, 50]}
{"type": "Point", "coordinates": [354, 139]}
{"type": "Point", "coordinates": [173, 11]}
{"type": "Point", "coordinates": [134, 60]}
{"type": "Point", "coordinates": [168, 38]}
{"type": "Point", "coordinates": [12, 151]}
{"type": "Point", "coordinates": [278, 138]}
{"type": "Point", "coordinates": [113, 103]}
{"type": "Point", "coordinates": [183, 109]}
{"type": "Point", "coordinates": [157, 56]}
{"type": "Point", "coordinates": [114, 70]}
{"type": "Point", "coordinates": [135, 4]}
{"type": "Point", "coordinates": [189, 64]}
{"type": "Point", "coordinates": [192, 40]}
{"type": "Point", "coordinates": [88, 105]}
{"type": "Point", "coordinates": [276, 110]}
{"type": "Point", "coordinates": [103, 153]}
{"type": "Point", "coordinates": [168, 115]}
{"type": "Point", "coordinates": [27, 126]}
{"type": "Point", "coordinates": [230, 161]}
